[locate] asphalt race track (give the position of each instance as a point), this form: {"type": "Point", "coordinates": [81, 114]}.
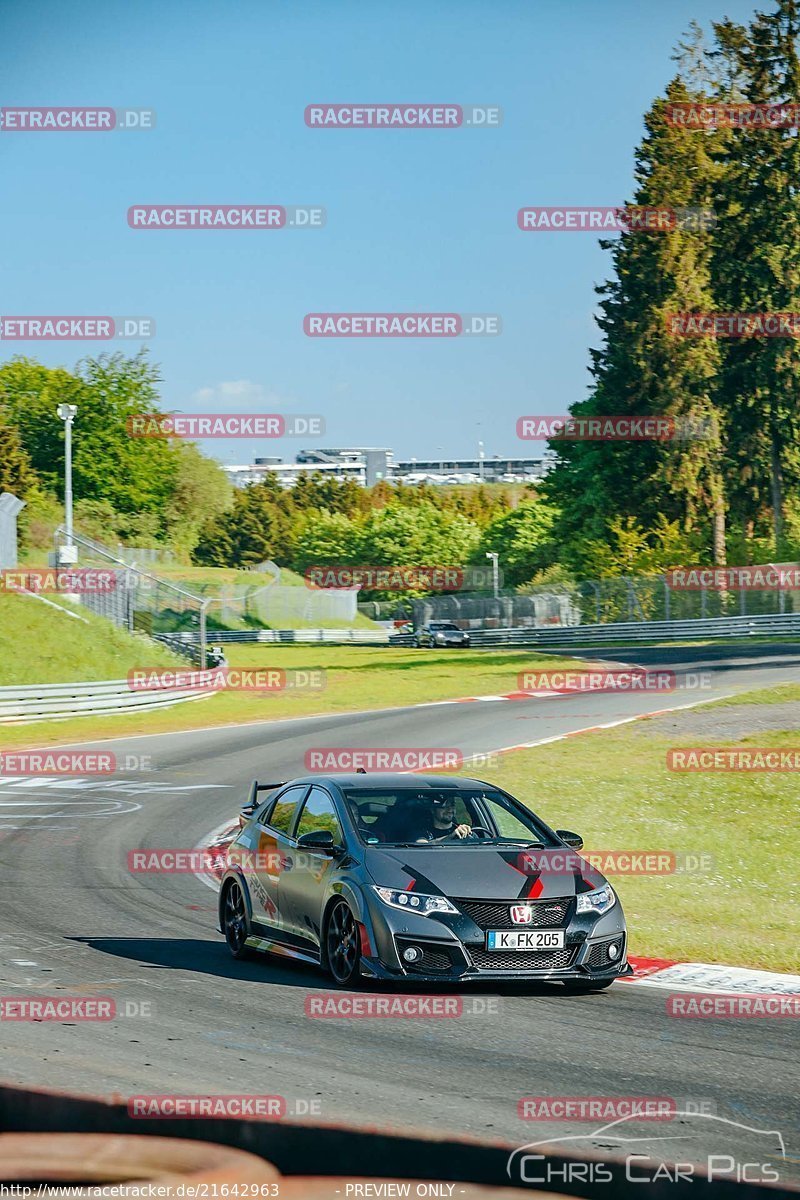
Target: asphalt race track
{"type": "Point", "coordinates": [73, 919]}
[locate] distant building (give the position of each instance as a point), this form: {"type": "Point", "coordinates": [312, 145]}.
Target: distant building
{"type": "Point", "coordinates": [376, 462]}
{"type": "Point", "coordinates": [473, 470]}
{"type": "Point", "coordinates": [368, 465]}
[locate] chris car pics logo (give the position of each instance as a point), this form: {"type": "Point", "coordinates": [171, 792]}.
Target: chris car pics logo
{"type": "Point", "coordinates": [720, 1150]}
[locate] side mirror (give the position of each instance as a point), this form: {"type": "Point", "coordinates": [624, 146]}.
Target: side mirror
{"type": "Point", "coordinates": [317, 839]}
{"type": "Point", "coordinates": [572, 839]}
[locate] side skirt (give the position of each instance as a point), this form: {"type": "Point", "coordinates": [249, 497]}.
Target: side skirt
{"type": "Point", "coordinates": [280, 950]}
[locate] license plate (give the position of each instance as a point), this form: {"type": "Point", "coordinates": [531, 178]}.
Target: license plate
{"type": "Point", "coordinates": [525, 939]}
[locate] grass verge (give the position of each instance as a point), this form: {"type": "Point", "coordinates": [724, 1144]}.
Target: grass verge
{"type": "Point", "coordinates": [357, 678]}
{"type": "Point", "coordinates": [614, 788]}
{"type": "Point", "coordinates": [39, 644]}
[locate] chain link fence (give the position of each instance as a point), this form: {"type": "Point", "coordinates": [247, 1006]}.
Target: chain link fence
{"type": "Point", "coordinates": [594, 602]}
{"type": "Point", "coordinates": [154, 605]}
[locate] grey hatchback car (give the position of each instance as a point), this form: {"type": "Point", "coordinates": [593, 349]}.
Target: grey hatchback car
{"type": "Point", "coordinates": [409, 878]}
{"type": "Point", "coordinates": [441, 633]}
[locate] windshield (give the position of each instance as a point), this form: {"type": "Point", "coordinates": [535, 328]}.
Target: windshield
{"type": "Point", "coordinates": [437, 816]}
{"type": "Point", "coordinates": [444, 625]}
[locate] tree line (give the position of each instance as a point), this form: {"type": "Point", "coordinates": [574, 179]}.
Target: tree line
{"type": "Point", "coordinates": [163, 491]}
{"type": "Point", "coordinates": [729, 495]}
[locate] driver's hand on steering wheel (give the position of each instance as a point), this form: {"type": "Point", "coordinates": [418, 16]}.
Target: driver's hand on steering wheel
{"type": "Point", "coordinates": [462, 831]}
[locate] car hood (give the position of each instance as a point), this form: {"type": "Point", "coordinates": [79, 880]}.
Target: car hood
{"type": "Point", "coordinates": [483, 872]}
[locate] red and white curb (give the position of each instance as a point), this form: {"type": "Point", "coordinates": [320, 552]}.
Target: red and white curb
{"type": "Point", "coordinates": [710, 977]}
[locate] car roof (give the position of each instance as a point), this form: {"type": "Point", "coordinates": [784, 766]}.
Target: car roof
{"type": "Point", "coordinates": [384, 779]}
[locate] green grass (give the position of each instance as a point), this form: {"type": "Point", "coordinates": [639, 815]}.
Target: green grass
{"type": "Point", "coordinates": [358, 678]}
{"type": "Point", "coordinates": [40, 645]}
{"type": "Point", "coordinates": [780, 694]}
{"type": "Point", "coordinates": [615, 790]}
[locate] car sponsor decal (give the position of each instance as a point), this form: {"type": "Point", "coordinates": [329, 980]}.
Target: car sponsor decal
{"type": "Point", "coordinates": [427, 886]}
{"type": "Point", "coordinates": [533, 886]}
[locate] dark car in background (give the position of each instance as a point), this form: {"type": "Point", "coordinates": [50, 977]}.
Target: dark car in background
{"type": "Point", "coordinates": [401, 878]}
{"type": "Point", "coordinates": [441, 633]}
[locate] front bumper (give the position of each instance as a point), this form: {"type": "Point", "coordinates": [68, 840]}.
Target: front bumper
{"type": "Point", "coordinates": [373, 968]}
{"type": "Point", "coordinates": [454, 950]}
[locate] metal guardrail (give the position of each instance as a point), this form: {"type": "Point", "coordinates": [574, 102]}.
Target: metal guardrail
{"type": "Point", "coordinates": [58, 701]}
{"type": "Point", "coordinates": [177, 641]}
{"type": "Point", "coordinates": [563, 635]}
{"type": "Point", "coordinates": [641, 631]}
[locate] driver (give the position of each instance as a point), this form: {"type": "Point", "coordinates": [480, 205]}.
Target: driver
{"type": "Point", "coordinates": [440, 822]}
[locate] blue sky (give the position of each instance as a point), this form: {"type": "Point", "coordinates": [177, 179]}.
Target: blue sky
{"type": "Point", "coordinates": [416, 220]}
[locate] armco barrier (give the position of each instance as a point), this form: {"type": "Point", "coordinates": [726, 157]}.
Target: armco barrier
{"type": "Point", "coordinates": [641, 631]}
{"type": "Point", "coordinates": [317, 1161]}
{"type": "Point", "coordinates": [58, 701]}
{"type": "Point", "coordinates": [778, 624]}
{"type": "Point", "coordinates": [377, 637]}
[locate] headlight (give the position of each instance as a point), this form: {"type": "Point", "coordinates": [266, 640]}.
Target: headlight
{"type": "Point", "coordinates": [599, 901]}
{"type": "Point", "coordinates": [414, 901]}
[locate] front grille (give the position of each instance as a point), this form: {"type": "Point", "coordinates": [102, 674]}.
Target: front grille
{"type": "Point", "coordinates": [435, 959]}
{"type": "Point", "coordinates": [496, 914]}
{"type": "Point", "coordinates": [523, 960]}
{"type": "Point", "coordinates": [597, 957]}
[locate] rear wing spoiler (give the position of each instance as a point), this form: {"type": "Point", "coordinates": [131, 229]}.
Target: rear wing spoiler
{"type": "Point", "coordinates": [252, 801]}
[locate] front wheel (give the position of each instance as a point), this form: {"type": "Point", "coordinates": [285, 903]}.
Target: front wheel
{"type": "Point", "coordinates": [343, 951]}
{"type": "Point", "coordinates": [234, 922]}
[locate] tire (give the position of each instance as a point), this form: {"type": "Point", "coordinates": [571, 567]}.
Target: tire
{"type": "Point", "coordinates": [591, 985]}
{"type": "Point", "coordinates": [342, 945]}
{"type": "Point", "coordinates": [417, 644]}
{"type": "Point", "coordinates": [235, 925]}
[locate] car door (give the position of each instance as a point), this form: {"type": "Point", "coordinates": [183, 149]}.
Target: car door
{"type": "Point", "coordinates": [263, 871]}
{"type": "Point", "coordinates": [304, 879]}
